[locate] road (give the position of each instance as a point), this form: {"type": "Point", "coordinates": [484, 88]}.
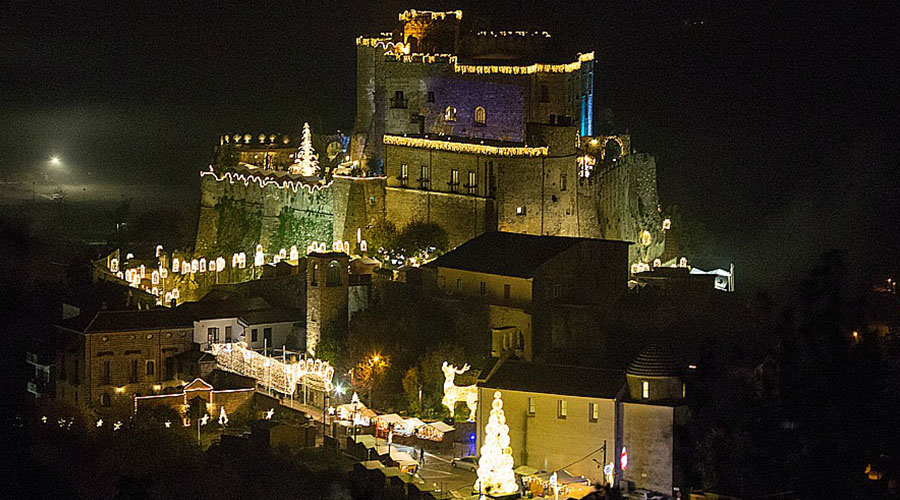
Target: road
{"type": "Point", "coordinates": [437, 471]}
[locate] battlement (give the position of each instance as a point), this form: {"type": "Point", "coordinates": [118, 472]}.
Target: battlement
{"type": "Point", "coordinates": [423, 15]}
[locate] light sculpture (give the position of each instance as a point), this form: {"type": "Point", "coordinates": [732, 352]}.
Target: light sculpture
{"type": "Point", "coordinates": [295, 255]}
{"type": "Point", "coordinates": [260, 257]}
{"type": "Point", "coordinates": [495, 467]}
{"type": "Point", "coordinates": [220, 264]}
{"type": "Point", "coordinates": [454, 393]}
{"type": "Point", "coordinates": [202, 264]}
{"type": "Point", "coordinates": [223, 418]}
{"type": "Point", "coordinates": [195, 266]}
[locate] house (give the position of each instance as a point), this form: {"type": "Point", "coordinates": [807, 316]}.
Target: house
{"type": "Point", "coordinates": [106, 359]}
{"type": "Point", "coordinates": [245, 319]}
{"type": "Point", "coordinates": [580, 419]}
{"type": "Point", "coordinates": [525, 278]}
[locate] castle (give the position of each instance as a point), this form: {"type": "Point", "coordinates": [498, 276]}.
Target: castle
{"type": "Point", "coordinates": [475, 131]}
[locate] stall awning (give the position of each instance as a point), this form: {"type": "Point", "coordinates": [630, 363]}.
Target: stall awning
{"type": "Point", "coordinates": [524, 470]}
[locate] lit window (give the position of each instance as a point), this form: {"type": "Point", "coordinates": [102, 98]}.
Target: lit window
{"type": "Point", "coordinates": [454, 179]}
{"type": "Point", "coordinates": [404, 174]}
{"type": "Point", "coordinates": [594, 412]}
{"type": "Point", "coordinates": [531, 406]}
{"type": "Point", "coordinates": [424, 177]}
{"type": "Point", "coordinates": [472, 182]}
{"type": "Point", "coordinates": [480, 115]}
{"type": "Point", "coordinates": [520, 210]}
{"type": "Point", "coordinates": [450, 114]}
{"type": "Point", "coordinates": [645, 389]}
{"type": "Point", "coordinates": [562, 408]}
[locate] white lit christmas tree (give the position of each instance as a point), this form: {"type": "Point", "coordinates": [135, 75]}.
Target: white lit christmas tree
{"type": "Point", "coordinates": [495, 467]}
{"type": "Point", "coordinates": [306, 162]}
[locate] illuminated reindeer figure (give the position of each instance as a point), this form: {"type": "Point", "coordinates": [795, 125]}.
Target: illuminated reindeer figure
{"type": "Point", "coordinates": [454, 393]}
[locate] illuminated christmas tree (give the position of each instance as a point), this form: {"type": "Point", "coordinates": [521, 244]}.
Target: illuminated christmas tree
{"type": "Point", "coordinates": [495, 467]}
{"type": "Point", "coordinates": [306, 162]}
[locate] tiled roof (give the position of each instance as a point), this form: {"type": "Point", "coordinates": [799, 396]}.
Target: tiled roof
{"type": "Point", "coordinates": [514, 375]}
{"type": "Point", "coordinates": [509, 254]}
{"type": "Point", "coordinates": [120, 321]}
{"type": "Point", "coordinates": [654, 361]}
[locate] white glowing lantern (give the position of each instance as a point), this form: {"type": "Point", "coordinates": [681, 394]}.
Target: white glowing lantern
{"type": "Point", "coordinates": [634, 268]}
{"type": "Point", "coordinates": [175, 263]}
{"type": "Point", "coordinates": [657, 262]}
{"type": "Point", "coordinates": [154, 277]}
{"type": "Point", "coordinates": [195, 265]}
{"type": "Point", "coordinates": [220, 264]}
{"type": "Point", "coordinates": [212, 265]}
{"type": "Point", "coordinates": [143, 271]}
{"type": "Point", "coordinates": [159, 249]}
{"type": "Point", "coordinates": [667, 224]}
{"type": "Point", "coordinates": [358, 234]}
{"type": "Point", "coordinates": [260, 257]}
{"type": "Point", "coordinates": [114, 265]}
{"type": "Point", "coordinates": [242, 260]}
{"type": "Point", "coordinates": [276, 259]}
{"type": "Point", "coordinates": [363, 246]}
{"type": "Point", "coordinates": [337, 245]}
{"type": "Point", "coordinates": [495, 467]}
{"type": "Point", "coordinates": [175, 293]}
{"type": "Point", "coordinates": [646, 238]}
{"type": "Point", "coordinates": [682, 262]}
{"type": "Point", "coordinates": [163, 272]}
{"type": "Point", "coordinates": [234, 260]}
{"type": "Point", "coordinates": [185, 267]}
{"type": "Point", "coordinates": [282, 253]}
{"type": "Point", "coordinates": [120, 275]}
{"type": "Point", "coordinates": [347, 247]}
{"type": "Point", "coordinates": [295, 255]}
{"type": "Point", "coordinates": [129, 255]}
{"type": "Point", "coordinates": [203, 264]}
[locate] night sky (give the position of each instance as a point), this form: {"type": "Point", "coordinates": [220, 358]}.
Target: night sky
{"type": "Point", "coordinates": [773, 123]}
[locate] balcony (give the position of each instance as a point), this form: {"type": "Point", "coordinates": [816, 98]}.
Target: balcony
{"type": "Point", "coordinates": [399, 103]}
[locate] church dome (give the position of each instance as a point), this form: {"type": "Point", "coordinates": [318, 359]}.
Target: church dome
{"type": "Point", "coordinates": [654, 361]}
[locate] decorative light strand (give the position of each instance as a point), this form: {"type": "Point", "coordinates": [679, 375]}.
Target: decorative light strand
{"type": "Point", "coordinates": [264, 181]}
{"type": "Point", "coordinates": [461, 147]}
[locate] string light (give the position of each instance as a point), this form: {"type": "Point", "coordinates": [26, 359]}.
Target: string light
{"type": "Point", "coordinates": [460, 147]}
{"type": "Point", "coordinates": [305, 163]}
{"type": "Point", "coordinates": [223, 418]}
{"type": "Point", "coordinates": [281, 376]}
{"type": "Point", "coordinates": [264, 180]}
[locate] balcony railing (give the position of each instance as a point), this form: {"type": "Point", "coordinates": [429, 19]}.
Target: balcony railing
{"type": "Point", "coordinates": [397, 103]}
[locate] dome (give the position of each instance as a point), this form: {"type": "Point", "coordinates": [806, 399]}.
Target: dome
{"type": "Point", "coordinates": [654, 361]}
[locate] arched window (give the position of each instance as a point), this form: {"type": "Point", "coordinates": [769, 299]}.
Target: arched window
{"type": "Point", "coordinates": [480, 115]}
{"type": "Point", "coordinates": [333, 278]}
{"type": "Point", "coordinates": [450, 114]}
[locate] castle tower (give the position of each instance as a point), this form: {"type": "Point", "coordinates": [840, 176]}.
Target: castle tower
{"type": "Point", "coordinates": [327, 282]}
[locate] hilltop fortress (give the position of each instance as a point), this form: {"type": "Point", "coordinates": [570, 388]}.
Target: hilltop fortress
{"type": "Point", "coordinates": [473, 130]}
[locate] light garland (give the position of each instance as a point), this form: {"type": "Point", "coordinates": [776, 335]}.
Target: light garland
{"type": "Point", "coordinates": [263, 181]}
{"type": "Point", "coordinates": [272, 372]}
{"type": "Point", "coordinates": [223, 417]}
{"type": "Point", "coordinates": [495, 467]}
{"type": "Point", "coordinates": [460, 147]}
{"type": "Point", "coordinates": [454, 393]}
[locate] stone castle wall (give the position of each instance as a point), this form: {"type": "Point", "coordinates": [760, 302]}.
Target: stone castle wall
{"type": "Point", "coordinates": [259, 215]}
{"type": "Point", "coordinates": [627, 203]}
{"type": "Point", "coordinates": [359, 203]}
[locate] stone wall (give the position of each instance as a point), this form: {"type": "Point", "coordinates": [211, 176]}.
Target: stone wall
{"type": "Point", "coordinates": [358, 204]}
{"type": "Point", "coordinates": [272, 206]}
{"type": "Point", "coordinates": [463, 217]}
{"type": "Point", "coordinates": [627, 203]}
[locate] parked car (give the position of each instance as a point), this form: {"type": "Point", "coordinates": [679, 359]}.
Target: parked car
{"type": "Point", "coordinates": [465, 463]}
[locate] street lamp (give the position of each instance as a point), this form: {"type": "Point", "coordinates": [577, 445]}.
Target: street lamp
{"type": "Point", "coordinates": [54, 160]}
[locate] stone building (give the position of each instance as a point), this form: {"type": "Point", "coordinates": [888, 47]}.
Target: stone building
{"type": "Point", "coordinates": [581, 418]}
{"type": "Point", "coordinates": [524, 279]}
{"type": "Point", "coordinates": [106, 359]}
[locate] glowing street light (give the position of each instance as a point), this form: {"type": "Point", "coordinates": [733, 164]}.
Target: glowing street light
{"type": "Point", "coordinates": [54, 160]}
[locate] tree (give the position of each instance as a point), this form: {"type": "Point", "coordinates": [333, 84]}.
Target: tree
{"type": "Point", "coordinates": [495, 467]}
{"type": "Point", "coordinates": [306, 162]}
{"type": "Point", "coordinates": [427, 375]}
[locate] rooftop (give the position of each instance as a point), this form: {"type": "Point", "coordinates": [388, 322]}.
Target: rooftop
{"type": "Point", "coordinates": [514, 375]}
{"type": "Point", "coordinates": [121, 321]}
{"type": "Point", "coordinates": [510, 254]}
